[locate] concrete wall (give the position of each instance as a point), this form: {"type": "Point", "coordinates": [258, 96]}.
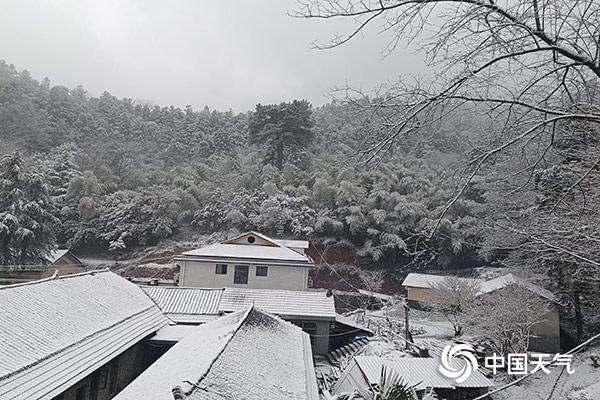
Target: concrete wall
{"type": "Point", "coordinates": [423, 295]}
{"type": "Point", "coordinates": [546, 334]}
{"type": "Point", "coordinates": [351, 378]}
{"type": "Point", "coordinates": [318, 332]}
{"type": "Point", "coordinates": [202, 274]}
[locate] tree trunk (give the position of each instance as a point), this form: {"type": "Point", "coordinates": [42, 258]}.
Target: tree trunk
{"type": "Point", "coordinates": [578, 316]}
{"type": "Point", "coordinates": [279, 156]}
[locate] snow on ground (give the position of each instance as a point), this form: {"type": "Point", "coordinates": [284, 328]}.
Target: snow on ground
{"type": "Point", "coordinates": [583, 384]}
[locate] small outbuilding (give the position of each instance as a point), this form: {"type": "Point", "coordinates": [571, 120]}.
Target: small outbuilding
{"type": "Point", "coordinates": [545, 336]}
{"type": "Point", "coordinates": [364, 372]}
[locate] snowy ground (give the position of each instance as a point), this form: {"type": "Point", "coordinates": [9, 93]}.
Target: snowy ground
{"type": "Point", "coordinates": [583, 384]}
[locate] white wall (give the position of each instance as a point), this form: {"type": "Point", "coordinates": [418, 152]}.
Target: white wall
{"type": "Point", "coordinates": [202, 274]}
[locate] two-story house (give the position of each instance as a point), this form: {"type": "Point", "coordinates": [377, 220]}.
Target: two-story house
{"type": "Point", "coordinates": [250, 260]}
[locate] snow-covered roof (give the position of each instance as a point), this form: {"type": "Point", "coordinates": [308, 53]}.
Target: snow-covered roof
{"type": "Point", "coordinates": [245, 355]}
{"type": "Point", "coordinates": [186, 305]}
{"type": "Point", "coordinates": [225, 251]}
{"type": "Point", "coordinates": [54, 332]}
{"type": "Point", "coordinates": [509, 279]}
{"type": "Point", "coordinates": [497, 283]}
{"type": "Point", "coordinates": [262, 249]}
{"type": "Point", "coordinates": [195, 305]}
{"type": "Point", "coordinates": [428, 281]}
{"type": "Point", "coordinates": [296, 244]}
{"type": "Point", "coordinates": [418, 372]}
{"type": "Point", "coordinates": [55, 255]}
{"type": "Point", "coordinates": [285, 303]}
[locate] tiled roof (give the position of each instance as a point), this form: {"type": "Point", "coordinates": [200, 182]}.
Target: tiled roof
{"type": "Point", "coordinates": [250, 252]}
{"type": "Point", "coordinates": [427, 280]}
{"type": "Point", "coordinates": [297, 244]}
{"type": "Point", "coordinates": [191, 305]}
{"type": "Point", "coordinates": [285, 303]}
{"type": "Point", "coordinates": [186, 304]}
{"type": "Point", "coordinates": [55, 332]}
{"type": "Point", "coordinates": [419, 372]}
{"type": "Point", "coordinates": [509, 279]}
{"type": "Point", "coordinates": [245, 355]}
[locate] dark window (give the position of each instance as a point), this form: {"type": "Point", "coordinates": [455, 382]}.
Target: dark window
{"type": "Point", "coordinates": [114, 376]}
{"type": "Point", "coordinates": [251, 239]}
{"type": "Point", "coordinates": [221, 269]}
{"type": "Point", "coordinates": [81, 393]}
{"type": "Point", "coordinates": [103, 378]}
{"type": "Point", "coordinates": [262, 271]}
{"type": "Point", "coordinates": [241, 274]}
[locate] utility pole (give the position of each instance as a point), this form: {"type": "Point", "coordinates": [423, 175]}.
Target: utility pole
{"type": "Point", "coordinates": [407, 335]}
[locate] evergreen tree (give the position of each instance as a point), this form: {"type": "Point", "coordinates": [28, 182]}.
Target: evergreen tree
{"type": "Point", "coordinates": [278, 126]}
{"type": "Point", "coordinates": [26, 224]}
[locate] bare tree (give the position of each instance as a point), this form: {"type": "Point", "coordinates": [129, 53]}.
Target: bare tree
{"type": "Point", "coordinates": [533, 65]}
{"type": "Point", "coordinates": [506, 317]}
{"type": "Point", "coordinates": [453, 297]}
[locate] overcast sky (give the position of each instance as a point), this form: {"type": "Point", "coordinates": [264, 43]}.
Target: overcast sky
{"type": "Point", "coordinates": [224, 54]}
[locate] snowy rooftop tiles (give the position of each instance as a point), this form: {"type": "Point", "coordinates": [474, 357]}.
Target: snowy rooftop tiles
{"type": "Point", "coordinates": [260, 249]}
{"type": "Point", "coordinates": [54, 332]}
{"type": "Point", "coordinates": [199, 304]}
{"type": "Point", "coordinates": [244, 355]}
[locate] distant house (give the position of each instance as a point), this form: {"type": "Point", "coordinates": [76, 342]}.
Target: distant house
{"type": "Point", "coordinates": [61, 262]}
{"type": "Point", "coordinates": [545, 335]}
{"type": "Point", "coordinates": [78, 337]}
{"type": "Point", "coordinates": [364, 372]}
{"type": "Point", "coordinates": [245, 355]}
{"type": "Point", "coordinates": [419, 287]}
{"type": "Point", "coordinates": [250, 260]}
{"type": "Point", "coordinates": [313, 311]}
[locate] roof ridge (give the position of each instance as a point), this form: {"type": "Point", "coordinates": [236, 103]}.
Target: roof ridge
{"type": "Point", "coordinates": [55, 276]}
{"type": "Point", "coordinates": [237, 329]}
{"type": "Point", "coordinates": [183, 287]}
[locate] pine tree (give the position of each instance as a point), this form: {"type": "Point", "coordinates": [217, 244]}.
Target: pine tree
{"type": "Point", "coordinates": [281, 126]}
{"type": "Point", "coordinates": [26, 224]}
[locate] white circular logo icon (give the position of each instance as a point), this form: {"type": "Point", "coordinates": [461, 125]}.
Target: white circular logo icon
{"type": "Point", "coordinates": [458, 370]}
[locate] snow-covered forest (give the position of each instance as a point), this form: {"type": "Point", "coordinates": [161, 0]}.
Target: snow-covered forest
{"type": "Point", "coordinates": [120, 169]}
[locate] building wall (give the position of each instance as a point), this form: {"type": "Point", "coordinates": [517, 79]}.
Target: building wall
{"type": "Point", "coordinates": [108, 380]}
{"type": "Point", "coordinates": [418, 294]}
{"type": "Point", "coordinates": [202, 274]}
{"type": "Point", "coordinates": [318, 331]}
{"type": "Point", "coordinates": [546, 334]}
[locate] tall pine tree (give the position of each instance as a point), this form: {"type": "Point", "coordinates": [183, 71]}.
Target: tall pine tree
{"type": "Point", "coordinates": [26, 224]}
{"type": "Point", "coordinates": [281, 126]}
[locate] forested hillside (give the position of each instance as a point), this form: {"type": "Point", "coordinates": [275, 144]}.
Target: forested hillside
{"type": "Point", "coordinates": [108, 176]}
{"type": "Point", "coordinates": [125, 172]}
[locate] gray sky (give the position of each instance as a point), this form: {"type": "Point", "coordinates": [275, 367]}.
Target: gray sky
{"type": "Point", "coordinates": [224, 54]}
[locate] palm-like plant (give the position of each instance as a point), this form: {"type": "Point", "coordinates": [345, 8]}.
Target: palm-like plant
{"type": "Point", "coordinates": [392, 387]}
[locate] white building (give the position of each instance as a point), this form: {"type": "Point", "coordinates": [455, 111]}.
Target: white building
{"type": "Point", "coordinates": [250, 260]}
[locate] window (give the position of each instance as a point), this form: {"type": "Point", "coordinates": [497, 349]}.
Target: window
{"type": "Point", "coordinates": [262, 271]}
{"type": "Point", "coordinates": [251, 239]}
{"type": "Point", "coordinates": [221, 269]}
{"type": "Point", "coordinates": [81, 393]}
{"type": "Point", "coordinates": [241, 274]}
